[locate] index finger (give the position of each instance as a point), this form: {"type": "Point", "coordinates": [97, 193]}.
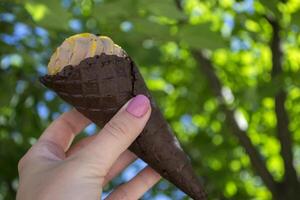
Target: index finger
{"type": "Point", "coordinates": [118, 133]}
{"type": "Point", "coordinates": [62, 131]}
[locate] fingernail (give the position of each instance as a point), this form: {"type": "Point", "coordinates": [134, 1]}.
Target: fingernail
{"type": "Point", "coordinates": [138, 106]}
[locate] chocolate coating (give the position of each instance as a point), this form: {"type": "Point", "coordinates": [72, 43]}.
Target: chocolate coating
{"type": "Point", "coordinates": [99, 86]}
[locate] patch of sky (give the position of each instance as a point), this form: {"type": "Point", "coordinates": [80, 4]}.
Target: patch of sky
{"type": "Point", "coordinates": [42, 110]}
{"type": "Point", "coordinates": [228, 25]}
{"type": "Point", "coordinates": [41, 69]}
{"type": "Point", "coordinates": [178, 194]}
{"type": "Point", "coordinates": [7, 17]}
{"type": "Point", "coordinates": [55, 115]}
{"type": "Point", "coordinates": [186, 121]}
{"type": "Point", "coordinates": [104, 195]}
{"type": "Point", "coordinates": [43, 34]}
{"type": "Point", "coordinates": [161, 197]}
{"type": "Point", "coordinates": [64, 107]}
{"type": "Point", "coordinates": [49, 95]}
{"type": "Point", "coordinates": [126, 26]}
{"type": "Point", "coordinates": [148, 43]}
{"type": "Point", "coordinates": [237, 44]}
{"type": "Point", "coordinates": [9, 39]}
{"type": "Point", "coordinates": [66, 3]}
{"type": "Point", "coordinates": [196, 12]}
{"type": "Point", "coordinates": [90, 129]}
{"type": "Point", "coordinates": [11, 60]}
{"type": "Point", "coordinates": [163, 185]}
{"type": "Point", "coordinates": [75, 25]}
{"type": "Point", "coordinates": [20, 87]}
{"type": "Point", "coordinates": [21, 31]}
{"type": "Point", "coordinates": [76, 11]}
{"type": "Point", "coordinates": [241, 120]}
{"type": "Point", "coordinates": [244, 6]}
{"type": "Point", "coordinates": [227, 95]}
{"type": "Point", "coordinates": [31, 42]}
{"type": "Point", "coordinates": [133, 169]}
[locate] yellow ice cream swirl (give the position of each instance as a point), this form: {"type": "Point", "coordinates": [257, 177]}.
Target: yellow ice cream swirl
{"type": "Point", "coordinates": [78, 47]}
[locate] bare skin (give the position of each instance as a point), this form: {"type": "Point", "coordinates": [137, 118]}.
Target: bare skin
{"type": "Point", "coordinates": [52, 169]}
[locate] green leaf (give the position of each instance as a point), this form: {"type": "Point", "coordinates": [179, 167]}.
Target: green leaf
{"type": "Point", "coordinates": [151, 29]}
{"type": "Point", "coordinates": [200, 36]}
{"type": "Point", "coordinates": [112, 9]}
{"type": "Point", "coordinates": [165, 8]}
{"type": "Point", "coordinates": [48, 14]}
{"type": "Point", "coordinates": [230, 189]}
{"type": "Point", "coordinates": [295, 18]}
{"type": "Point", "coordinates": [86, 7]}
{"type": "Point", "coordinates": [268, 90]}
{"type": "Point", "coordinates": [271, 5]}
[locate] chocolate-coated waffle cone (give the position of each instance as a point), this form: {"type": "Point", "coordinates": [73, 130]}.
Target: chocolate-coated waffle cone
{"type": "Point", "coordinates": [99, 86]}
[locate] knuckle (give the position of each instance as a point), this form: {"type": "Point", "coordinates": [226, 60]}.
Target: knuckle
{"type": "Point", "coordinates": [69, 125]}
{"type": "Point", "coordinates": [145, 181]}
{"type": "Point", "coordinates": [21, 163]}
{"type": "Point", "coordinates": [117, 128]}
{"type": "Point", "coordinates": [46, 147]}
{"type": "Point", "coordinates": [121, 193]}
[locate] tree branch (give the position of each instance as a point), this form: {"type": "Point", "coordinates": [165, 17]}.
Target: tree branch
{"type": "Point", "coordinates": [283, 132]}
{"type": "Point", "coordinates": [179, 5]}
{"type": "Point", "coordinates": [255, 157]}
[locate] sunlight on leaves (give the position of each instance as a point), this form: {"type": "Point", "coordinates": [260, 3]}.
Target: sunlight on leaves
{"type": "Point", "coordinates": [241, 119]}
{"type": "Point", "coordinates": [268, 103]}
{"type": "Point", "coordinates": [220, 57]}
{"type": "Point", "coordinates": [40, 10]}
{"type": "Point", "coordinates": [293, 58]}
{"type": "Point", "coordinates": [275, 165]}
{"type": "Point", "coordinates": [227, 3]}
{"type": "Point", "coordinates": [215, 164]}
{"type": "Point", "coordinates": [37, 11]}
{"type": "Point", "coordinates": [86, 7]}
{"type": "Point", "coordinates": [198, 11]}
{"type": "Point", "coordinates": [217, 139]}
{"type": "Point", "coordinates": [235, 165]}
{"type": "Point", "coordinates": [200, 120]}
{"type": "Point", "coordinates": [230, 189]}
{"type": "Point", "coordinates": [210, 105]}
{"type": "Point", "coordinates": [252, 26]}
{"type": "Point", "coordinates": [215, 126]}
{"type": "Point", "coordinates": [156, 84]}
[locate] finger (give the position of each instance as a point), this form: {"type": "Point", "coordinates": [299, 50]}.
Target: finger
{"type": "Point", "coordinates": [80, 145]}
{"type": "Point", "coordinates": [136, 187]}
{"type": "Point", "coordinates": [117, 134]}
{"type": "Point", "coordinates": [62, 131]}
{"type": "Point", "coordinates": [125, 159]}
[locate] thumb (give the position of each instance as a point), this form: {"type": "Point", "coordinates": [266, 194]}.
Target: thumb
{"type": "Point", "coordinates": [118, 134]}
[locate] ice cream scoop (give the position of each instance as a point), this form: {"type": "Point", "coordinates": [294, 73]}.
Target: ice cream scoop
{"type": "Point", "coordinates": [78, 47]}
{"type": "Point", "coordinates": [97, 82]}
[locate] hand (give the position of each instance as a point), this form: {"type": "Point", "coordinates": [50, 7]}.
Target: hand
{"type": "Point", "coordinates": [53, 170]}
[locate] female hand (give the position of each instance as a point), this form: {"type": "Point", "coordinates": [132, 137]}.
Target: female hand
{"type": "Point", "coordinates": [53, 170]}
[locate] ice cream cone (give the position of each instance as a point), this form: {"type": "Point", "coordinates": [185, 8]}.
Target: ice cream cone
{"type": "Point", "coordinates": [98, 86]}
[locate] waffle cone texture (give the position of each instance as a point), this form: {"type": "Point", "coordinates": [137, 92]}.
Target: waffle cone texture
{"type": "Point", "coordinates": [98, 87]}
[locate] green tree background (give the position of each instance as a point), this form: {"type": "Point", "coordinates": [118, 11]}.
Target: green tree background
{"type": "Point", "coordinates": [225, 74]}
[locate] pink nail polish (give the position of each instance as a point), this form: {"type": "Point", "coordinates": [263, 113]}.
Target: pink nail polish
{"type": "Point", "coordinates": [138, 106]}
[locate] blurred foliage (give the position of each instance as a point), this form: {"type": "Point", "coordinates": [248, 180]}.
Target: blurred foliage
{"type": "Point", "coordinates": [161, 36]}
